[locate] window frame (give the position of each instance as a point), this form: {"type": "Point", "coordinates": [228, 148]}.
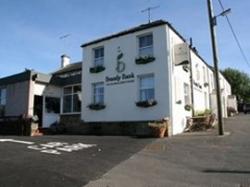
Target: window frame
{"type": "Point", "coordinates": [186, 94]}
{"type": "Point", "coordinates": [94, 94]}
{"type": "Point", "coordinates": [146, 47]}
{"type": "Point", "coordinates": [72, 94]}
{"type": "Point", "coordinates": [140, 89]}
{"type": "Point", "coordinates": [95, 64]}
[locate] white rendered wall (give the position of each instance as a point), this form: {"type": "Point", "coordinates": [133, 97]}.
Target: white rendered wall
{"type": "Point", "coordinates": [120, 99]}
{"type": "Point", "coordinates": [179, 77]}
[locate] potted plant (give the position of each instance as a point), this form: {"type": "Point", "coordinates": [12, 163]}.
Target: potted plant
{"type": "Point", "coordinates": [159, 128]}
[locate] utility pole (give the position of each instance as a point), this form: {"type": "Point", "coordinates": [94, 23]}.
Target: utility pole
{"type": "Point", "coordinates": [191, 75]}
{"type": "Point", "coordinates": [212, 23]}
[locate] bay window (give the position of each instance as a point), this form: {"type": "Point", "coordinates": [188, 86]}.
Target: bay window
{"type": "Point", "coordinates": [72, 99]}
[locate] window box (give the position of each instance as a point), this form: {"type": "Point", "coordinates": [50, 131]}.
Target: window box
{"type": "Point", "coordinates": [144, 60]}
{"type": "Point", "coordinates": [96, 69]}
{"type": "Point", "coordinates": [186, 67]}
{"type": "Point", "coordinates": [206, 84]}
{"type": "Point", "coordinates": [96, 106]}
{"type": "Point", "coordinates": [146, 104]}
{"type": "Point", "coordinates": [188, 107]}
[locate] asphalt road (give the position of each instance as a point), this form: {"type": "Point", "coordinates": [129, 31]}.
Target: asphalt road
{"type": "Point", "coordinates": [36, 162]}
{"type": "Point", "coordinates": [189, 160]}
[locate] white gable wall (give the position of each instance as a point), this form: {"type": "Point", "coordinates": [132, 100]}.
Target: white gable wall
{"type": "Point", "coordinates": [120, 99]}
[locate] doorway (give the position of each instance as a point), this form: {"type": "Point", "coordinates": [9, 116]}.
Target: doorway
{"type": "Point", "coordinates": [38, 109]}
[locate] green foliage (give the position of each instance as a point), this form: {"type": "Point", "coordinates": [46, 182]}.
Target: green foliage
{"type": "Point", "coordinates": [240, 83]}
{"type": "Point", "coordinates": [203, 112]}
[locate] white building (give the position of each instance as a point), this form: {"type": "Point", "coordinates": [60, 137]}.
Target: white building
{"type": "Point", "coordinates": [137, 75]}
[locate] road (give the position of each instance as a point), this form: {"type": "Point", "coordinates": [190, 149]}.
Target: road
{"type": "Point", "coordinates": [189, 160]}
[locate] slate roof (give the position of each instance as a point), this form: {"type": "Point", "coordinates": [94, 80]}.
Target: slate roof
{"type": "Point", "coordinates": [69, 68]}
{"type": "Point", "coordinates": [129, 31]}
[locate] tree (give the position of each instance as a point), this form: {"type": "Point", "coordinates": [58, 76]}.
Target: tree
{"type": "Point", "coordinates": [240, 83]}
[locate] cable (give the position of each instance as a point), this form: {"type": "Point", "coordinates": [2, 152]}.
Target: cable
{"type": "Point", "coordinates": [235, 36]}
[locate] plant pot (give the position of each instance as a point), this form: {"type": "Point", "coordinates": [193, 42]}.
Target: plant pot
{"type": "Point", "coordinates": [159, 132]}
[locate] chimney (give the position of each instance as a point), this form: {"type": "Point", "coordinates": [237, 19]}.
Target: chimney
{"type": "Point", "coordinates": [65, 60]}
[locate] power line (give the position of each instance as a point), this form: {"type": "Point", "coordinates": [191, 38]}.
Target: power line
{"type": "Point", "coordinates": [235, 35]}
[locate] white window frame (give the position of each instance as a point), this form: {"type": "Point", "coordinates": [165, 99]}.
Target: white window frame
{"type": "Point", "coordinates": [72, 99]}
{"type": "Point", "coordinates": [99, 59]}
{"type": "Point", "coordinates": [140, 89]}
{"type": "Point", "coordinates": [186, 93]}
{"type": "Point", "coordinates": [146, 47]}
{"type": "Point", "coordinates": [95, 94]}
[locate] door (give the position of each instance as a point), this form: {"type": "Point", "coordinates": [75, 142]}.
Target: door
{"type": "Point", "coordinates": [38, 109]}
{"type": "Point", "coordinates": [51, 111]}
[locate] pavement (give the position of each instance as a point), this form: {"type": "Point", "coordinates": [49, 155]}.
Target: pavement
{"type": "Point", "coordinates": [190, 159]}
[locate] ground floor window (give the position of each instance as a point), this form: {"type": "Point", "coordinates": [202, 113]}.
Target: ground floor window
{"type": "Point", "coordinates": [146, 87]}
{"type": "Point", "coordinates": [72, 99]}
{"type": "Point", "coordinates": [98, 93]}
{"type": "Point", "coordinates": [2, 101]}
{"type": "Point", "coordinates": [52, 105]}
{"type": "Point", "coordinates": [186, 94]}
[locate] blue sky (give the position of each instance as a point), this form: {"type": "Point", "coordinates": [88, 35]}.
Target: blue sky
{"type": "Point", "coordinates": [30, 30]}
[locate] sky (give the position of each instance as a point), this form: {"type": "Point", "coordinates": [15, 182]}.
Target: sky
{"type": "Point", "coordinates": [30, 30]}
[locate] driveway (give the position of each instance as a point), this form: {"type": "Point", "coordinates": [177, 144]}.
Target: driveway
{"type": "Point", "coordinates": [54, 161]}
{"type": "Point", "coordinates": [189, 160]}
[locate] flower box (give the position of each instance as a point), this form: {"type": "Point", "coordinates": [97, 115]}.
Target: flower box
{"type": "Point", "coordinates": [146, 104]}
{"type": "Point", "coordinates": [96, 69]}
{"type": "Point", "coordinates": [97, 106]}
{"type": "Point", "coordinates": [144, 60]}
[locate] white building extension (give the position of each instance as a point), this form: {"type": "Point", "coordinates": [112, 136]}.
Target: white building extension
{"type": "Point", "coordinates": [136, 76]}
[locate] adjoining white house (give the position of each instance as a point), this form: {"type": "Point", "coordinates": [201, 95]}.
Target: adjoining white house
{"type": "Point", "coordinates": [144, 74]}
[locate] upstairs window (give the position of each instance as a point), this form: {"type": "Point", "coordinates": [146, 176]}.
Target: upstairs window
{"type": "Point", "coordinates": [72, 99]}
{"type": "Point", "coordinates": [145, 45]}
{"type": "Point", "coordinates": [98, 93]}
{"type": "Point", "coordinates": [146, 88]}
{"type": "Point", "coordinates": [99, 56]}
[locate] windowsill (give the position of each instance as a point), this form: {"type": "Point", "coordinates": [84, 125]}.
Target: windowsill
{"type": "Point", "coordinates": [72, 113]}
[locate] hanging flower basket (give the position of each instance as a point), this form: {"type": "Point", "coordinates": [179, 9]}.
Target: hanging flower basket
{"type": "Point", "coordinates": [144, 60]}
{"type": "Point", "coordinates": [96, 69]}
{"type": "Point", "coordinates": [97, 106]}
{"type": "Point", "coordinates": [146, 104]}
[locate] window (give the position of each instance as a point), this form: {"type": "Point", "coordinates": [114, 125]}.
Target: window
{"type": "Point", "coordinates": [72, 99]}
{"type": "Point", "coordinates": [146, 88]}
{"type": "Point", "coordinates": [186, 94]}
{"type": "Point", "coordinates": [204, 75]}
{"type": "Point", "coordinates": [2, 101]}
{"type": "Point", "coordinates": [146, 45]}
{"type": "Point", "coordinates": [99, 56]}
{"type": "Point", "coordinates": [52, 105]}
{"type": "Point", "coordinates": [3, 96]}
{"type": "Point", "coordinates": [197, 72]}
{"type": "Point", "coordinates": [98, 93]}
